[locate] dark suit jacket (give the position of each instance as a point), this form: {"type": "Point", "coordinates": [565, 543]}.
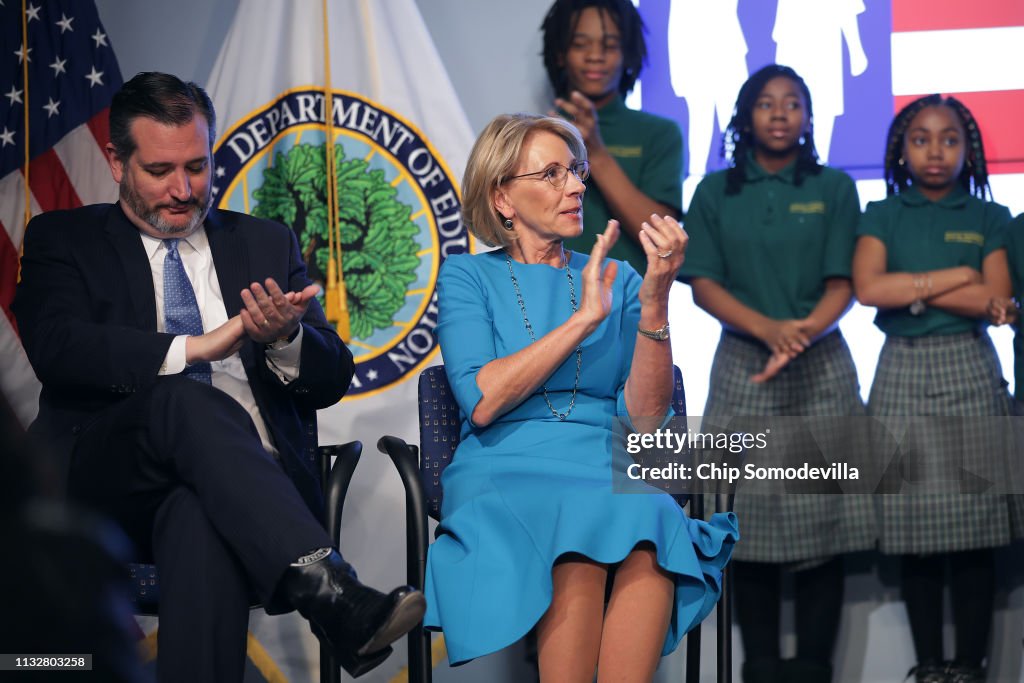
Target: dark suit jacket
{"type": "Point", "coordinates": [87, 316]}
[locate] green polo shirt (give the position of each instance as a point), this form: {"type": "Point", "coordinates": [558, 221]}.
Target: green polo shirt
{"type": "Point", "coordinates": [649, 149]}
{"type": "Point", "coordinates": [773, 244]}
{"type": "Point", "coordinates": [920, 235]}
{"type": "Point", "coordinates": [1015, 254]}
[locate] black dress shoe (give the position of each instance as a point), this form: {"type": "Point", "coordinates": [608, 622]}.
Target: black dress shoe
{"type": "Point", "coordinates": [356, 622]}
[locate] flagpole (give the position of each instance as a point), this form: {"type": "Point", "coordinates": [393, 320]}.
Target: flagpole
{"type": "Point", "coordinates": [371, 49]}
{"type": "Point", "coordinates": [24, 72]}
{"type": "Point", "coordinates": [335, 299]}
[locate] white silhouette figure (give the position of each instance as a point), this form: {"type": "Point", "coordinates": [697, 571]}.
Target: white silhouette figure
{"type": "Point", "coordinates": [809, 36]}
{"type": "Point", "coordinates": [707, 62]}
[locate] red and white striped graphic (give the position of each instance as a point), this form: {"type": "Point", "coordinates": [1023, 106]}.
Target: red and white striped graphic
{"type": "Point", "coordinates": [973, 51]}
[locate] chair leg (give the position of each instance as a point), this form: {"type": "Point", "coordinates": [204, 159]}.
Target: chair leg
{"type": "Point", "coordinates": [330, 670]}
{"type": "Point", "coordinates": [417, 540]}
{"type": "Point", "coordinates": [406, 461]}
{"type": "Point", "coordinates": [723, 503]}
{"type": "Point", "coordinates": [693, 655]}
{"type": "Point", "coordinates": [693, 637]}
{"type": "Point", "coordinates": [336, 479]}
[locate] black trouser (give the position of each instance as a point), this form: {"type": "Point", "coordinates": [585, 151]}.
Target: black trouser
{"type": "Point", "coordinates": [818, 600]}
{"type": "Point", "coordinates": [180, 466]}
{"type": "Point", "coordinates": [971, 584]}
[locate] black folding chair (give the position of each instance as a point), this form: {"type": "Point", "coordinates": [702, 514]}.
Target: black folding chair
{"type": "Point", "coordinates": [145, 584]}
{"type": "Point", "coordinates": [420, 470]}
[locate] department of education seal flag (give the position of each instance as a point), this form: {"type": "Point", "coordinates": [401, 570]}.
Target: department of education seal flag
{"type": "Point", "coordinates": [337, 118]}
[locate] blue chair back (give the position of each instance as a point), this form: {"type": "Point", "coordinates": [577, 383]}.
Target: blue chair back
{"type": "Point", "coordinates": [439, 433]}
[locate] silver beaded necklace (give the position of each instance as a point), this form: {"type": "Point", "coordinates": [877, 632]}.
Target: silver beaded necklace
{"type": "Point", "coordinates": [533, 338]}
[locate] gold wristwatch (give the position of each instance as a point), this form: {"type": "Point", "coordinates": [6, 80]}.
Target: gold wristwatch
{"type": "Point", "coordinates": [660, 334]}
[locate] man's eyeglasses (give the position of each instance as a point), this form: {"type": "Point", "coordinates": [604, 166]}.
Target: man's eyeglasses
{"type": "Point", "coordinates": [557, 175]}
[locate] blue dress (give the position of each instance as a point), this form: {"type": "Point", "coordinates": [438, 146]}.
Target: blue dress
{"type": "Point", "coordinates": [528, 488]}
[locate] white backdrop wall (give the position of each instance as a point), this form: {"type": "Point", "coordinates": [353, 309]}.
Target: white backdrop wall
{"type": "Point", "coordinates": [491, 49]}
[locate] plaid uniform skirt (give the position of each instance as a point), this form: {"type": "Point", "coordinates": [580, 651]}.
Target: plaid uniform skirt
{"type": "Point", "coordinates": [793, 528]}
{"type": "Point", "coordinates": [1017, 478]}
{"type": "Point", "coordinates": [956, 377]}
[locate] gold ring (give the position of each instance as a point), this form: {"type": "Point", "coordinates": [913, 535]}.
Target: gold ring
{"type": "Point", "coordinates": [665, 255]}
{"type": "Point", "coordinates": [265, 323]}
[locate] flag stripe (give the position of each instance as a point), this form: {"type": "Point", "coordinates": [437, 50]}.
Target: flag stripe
{"type": "Point", "coordinates": [86, 166]}
{"type": "Point", "coordinates": [8, 264]}
{"type": "Point", "coordinates": [936, 15]}
{"type": "Point", "coordinates": [50, 183]}
{"type": "Point", "coordinates": [12, 219]}
{"type": "Point", "coordinates": [957, 61]}
{"type": "Point", "coordinates": [12, 208]}
{"type": "Point", "coordinates": [998, 114]}
{"type": "Point", "coordinates": [100, 127]}
{"type": "Point", "coordinates": [17, 382]}
{"type": "Point", "coordinates": [1006, 189]}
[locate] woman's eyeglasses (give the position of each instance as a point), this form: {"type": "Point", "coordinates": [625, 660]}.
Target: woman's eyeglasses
{"type": "Point", "coordinates": [557, 175]}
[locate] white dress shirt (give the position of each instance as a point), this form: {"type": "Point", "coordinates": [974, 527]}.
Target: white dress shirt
{"type": "Point", "coordinates": [228, 375]}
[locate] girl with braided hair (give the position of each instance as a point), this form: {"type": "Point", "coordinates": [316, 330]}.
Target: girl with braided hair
{"type": "Point", "coordinates": [931, 258]}
{"type": "Point", "coordinates": [771, 241]}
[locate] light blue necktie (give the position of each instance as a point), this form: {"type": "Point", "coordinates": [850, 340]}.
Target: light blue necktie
{"type": "Point", "coordinates": [181, 312]}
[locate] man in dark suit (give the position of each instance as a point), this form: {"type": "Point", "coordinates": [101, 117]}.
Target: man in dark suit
{"type": "Point", "coordinates": [183, 356]}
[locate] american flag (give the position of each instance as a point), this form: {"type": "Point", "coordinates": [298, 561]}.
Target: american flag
{"type": "Point", "coordinates": [72, 76]}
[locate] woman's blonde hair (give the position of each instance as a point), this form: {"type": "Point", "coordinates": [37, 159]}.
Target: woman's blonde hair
{"type": "Point", "coordinates": [493, 160]}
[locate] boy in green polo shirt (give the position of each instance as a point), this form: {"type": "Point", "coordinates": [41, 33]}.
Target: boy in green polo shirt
{"type": "Point", "coordinates": [593, 53]}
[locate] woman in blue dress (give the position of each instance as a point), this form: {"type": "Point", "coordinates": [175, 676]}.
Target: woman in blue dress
{"type": "Point", "coordinates": [544, 349]}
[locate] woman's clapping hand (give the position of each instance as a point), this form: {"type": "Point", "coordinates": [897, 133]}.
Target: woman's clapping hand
{"type": "Point", "coordinates": [596, 300]}
{"type": "Point", "coordinates": [664, 241]}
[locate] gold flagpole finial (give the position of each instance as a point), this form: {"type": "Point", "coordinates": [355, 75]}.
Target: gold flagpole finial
{"type": "Point", "coordinates": [336, 301]}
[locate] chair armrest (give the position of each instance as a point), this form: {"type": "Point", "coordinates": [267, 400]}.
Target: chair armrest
{"type": "Point", "coordinates": [336, 480]}
{"type": "Point", "coordinates": [406, 460]}
{"type": "Point", "coordinates": [405, 457]}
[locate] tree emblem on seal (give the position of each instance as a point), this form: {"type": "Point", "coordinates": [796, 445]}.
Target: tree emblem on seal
{"type": "Point", "coordinates": [380, 254]}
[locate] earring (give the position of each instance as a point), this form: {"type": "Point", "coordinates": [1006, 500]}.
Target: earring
{"type": "Point", "coordinates": [802, 140]}
{"type": "Point", "coordinates": [900, 162]}
{"type": "Point", "coordinates": [507, 224]}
